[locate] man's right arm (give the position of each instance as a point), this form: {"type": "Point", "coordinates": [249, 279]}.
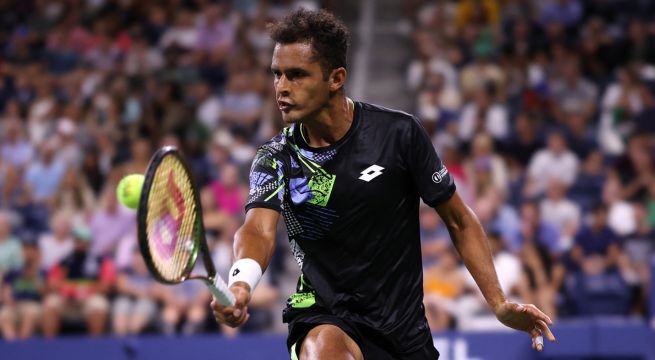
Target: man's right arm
{"type": "Point", "coordinates": [254, 240]}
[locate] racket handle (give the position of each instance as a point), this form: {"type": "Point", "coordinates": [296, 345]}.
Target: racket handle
{"type": "Point", "coordinates": [220, 291]}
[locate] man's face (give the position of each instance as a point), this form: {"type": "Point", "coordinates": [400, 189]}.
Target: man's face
{"type": "Point", "coordinates": [300, 88]}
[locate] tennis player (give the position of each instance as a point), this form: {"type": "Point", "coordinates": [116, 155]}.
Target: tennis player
{"type": "Point", "coordinates": [347, 178]}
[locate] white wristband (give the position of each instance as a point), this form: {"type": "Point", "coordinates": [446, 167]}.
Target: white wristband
{"type": "Point", "coordinates": [246, 270]}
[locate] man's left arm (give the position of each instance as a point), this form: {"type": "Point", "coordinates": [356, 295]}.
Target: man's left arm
{"type": "Point", "coordinates": [471, 243]}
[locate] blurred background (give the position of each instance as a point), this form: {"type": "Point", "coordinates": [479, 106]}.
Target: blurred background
{"type": "Point", "coordinates": [543, 111]}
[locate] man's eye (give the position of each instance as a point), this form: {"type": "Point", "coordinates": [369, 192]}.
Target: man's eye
{"type": "Point", "coordinates": [295, 74]}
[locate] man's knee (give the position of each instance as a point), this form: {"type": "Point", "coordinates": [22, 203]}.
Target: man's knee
{"type": "Point", "coordinates": [329, 342]}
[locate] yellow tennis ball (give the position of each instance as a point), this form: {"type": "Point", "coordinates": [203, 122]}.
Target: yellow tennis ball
{"type": "Point", "coordinates": [128, 190]}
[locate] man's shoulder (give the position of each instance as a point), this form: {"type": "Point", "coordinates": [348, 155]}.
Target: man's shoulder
{"type": "Point", "coordinates": [277, 143]}
{"type": "Point", "coordinates": [382, 112]}
{"type": "Point", "coordinates": [388, 119]}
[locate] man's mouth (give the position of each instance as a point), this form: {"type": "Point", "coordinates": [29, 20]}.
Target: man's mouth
{"type": "Point", "coordinates": [284, 106]}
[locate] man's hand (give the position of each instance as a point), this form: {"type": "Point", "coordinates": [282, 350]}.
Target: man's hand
{"type": "Point", "coordinates": [237, 315]}
{"type": "Point", "coordinates": [526, 317]}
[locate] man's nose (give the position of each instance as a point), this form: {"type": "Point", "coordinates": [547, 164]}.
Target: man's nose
{"type": "Point", "coordinates": [282, 86]}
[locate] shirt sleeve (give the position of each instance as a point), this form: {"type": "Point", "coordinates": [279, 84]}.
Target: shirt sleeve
{"type": "Point", "coordinates": [267, 184]}
{"type": "Point", "coordinates": [431, 177]}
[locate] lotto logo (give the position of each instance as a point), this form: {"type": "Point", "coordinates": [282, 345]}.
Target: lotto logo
{"type": "Point", "coordinates": [371, 173]}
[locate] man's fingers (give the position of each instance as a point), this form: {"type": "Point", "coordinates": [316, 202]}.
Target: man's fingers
{"type": "Point", "coordinates": [534, 311]}
{"type": "Point", "coordinates": [546, 330]}
{"type": "Point", "coordinates": [538, 343]}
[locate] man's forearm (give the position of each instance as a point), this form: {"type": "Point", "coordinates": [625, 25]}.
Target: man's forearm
{"type": "Point", "coordinates": [471, 243]}
{"type": "Point", "coordinates": [254, 245]}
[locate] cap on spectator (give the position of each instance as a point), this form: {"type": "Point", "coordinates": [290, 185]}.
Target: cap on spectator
{"type": "Point", "coordinates": [82, 233]}
{"type": "Point", "coordinates": [223, 139]}
{"type": "Point", "coordinates": [66, 126]}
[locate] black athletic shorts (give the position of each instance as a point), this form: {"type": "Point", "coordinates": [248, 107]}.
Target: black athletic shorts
{"type": "Point", "coordinates": [373, 344]}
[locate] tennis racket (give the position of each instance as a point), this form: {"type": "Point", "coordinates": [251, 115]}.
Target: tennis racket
{"type": "Point", "coordinates": [170, 227]}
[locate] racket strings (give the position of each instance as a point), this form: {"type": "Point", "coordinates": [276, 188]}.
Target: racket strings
{"type": "Point", "coordinates": [171, 221]}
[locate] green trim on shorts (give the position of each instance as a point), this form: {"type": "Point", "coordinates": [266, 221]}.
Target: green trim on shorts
{"type": "Point", "coordinates": [302, 300]}
{"type": "Point", "coordinates": [294, 356]}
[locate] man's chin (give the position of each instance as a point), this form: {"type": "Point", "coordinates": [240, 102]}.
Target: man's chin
{"type": "Point", "coordinates": [288, 119]}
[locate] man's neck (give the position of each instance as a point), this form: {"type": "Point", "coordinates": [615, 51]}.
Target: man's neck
{"type": "Point", "coordinates": [330, 125]}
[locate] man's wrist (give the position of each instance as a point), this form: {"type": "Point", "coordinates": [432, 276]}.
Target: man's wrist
{"type": "Point", "coordinates": [242, 284]}
{"type": "Point", "coordinates": [245, 270]}
{"type": "Point", "coordinates": [497, 304]}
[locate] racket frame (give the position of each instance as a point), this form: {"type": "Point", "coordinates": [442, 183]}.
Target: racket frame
{"type": "Point", "coordinates": [200, 240]}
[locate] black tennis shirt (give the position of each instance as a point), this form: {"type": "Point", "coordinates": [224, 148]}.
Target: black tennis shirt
{"type": "Point", "coordinates": [352, 215]}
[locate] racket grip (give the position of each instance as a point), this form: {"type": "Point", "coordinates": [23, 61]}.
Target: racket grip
{"type": "Point", "coordinates": [221, 292]}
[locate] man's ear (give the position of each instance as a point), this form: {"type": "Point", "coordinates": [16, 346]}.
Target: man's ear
{"type": "Point", "coordinates": [337, 79]}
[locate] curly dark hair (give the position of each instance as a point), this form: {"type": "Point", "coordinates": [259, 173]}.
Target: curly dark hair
{"type": "Point", "coordinates": [327, 35]}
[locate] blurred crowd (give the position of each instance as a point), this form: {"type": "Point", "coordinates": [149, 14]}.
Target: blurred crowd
{"type": "Point", "coordinates": [542, 110]}
{"type": "Point", "coordinates": [88, 90]}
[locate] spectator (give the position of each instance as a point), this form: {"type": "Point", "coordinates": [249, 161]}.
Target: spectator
{"type": "Point", "coordinates": [215, 30]}
{"type": "Point", "coordinates": [434, 236]}
{"type": "Point", "coordinates": [635, 169]}
{"type": "Point", "coordinates": [21, 291]}
{"type": "Point", "coordinates": [135, 306]}
{"type": "Point", "coordinates": [621, 217]}
{"type": "Point", "coordinates": [44, 176]}
{"type": "Point", "coordinates": [81, 281]}
{"type": "Point", "coordinates": [58, 244]}
{"type": "Point", "coordinates": [69, 147]}
{"type": "Point", "coordinates": [498, 217]}
{"type": "Point", "coordinates": [183, 34]}
{"type": "Point", "coordinates": [141, 151]}
{"type": "Point", "coordinates": [437, 101]}
{"type": "Point", "coordinates": [589, 182]}
{"type": "Point", "coordinates": [16, 150]}
{"type": "Point", "coordinates": [242, 105]}
{"type": "Point", "coordinates": [566, 12]}
{"type": "Point", "coordinates": [595, 285]}
{"type": "Point", "coordinates": [185, 303]}
{"type": "Point", "coordinates": [208, 110]}
{"type": "Point", "coordinates": [555, 162]}
{"type": "Point", "coordinates": [524, 140]}
{"type": "Point", "coordinates": [621, 102]}
{"type": "Point", "coordinates": [471, 312]}
{"type": "Point", "coordinates": [571, 93]}
{"type": "Point", "coordinates": [229, 194]}
{"type": "Point", "coordinates": [556, 209]}
{"type": "Point", "coordinates": [40, 111]}
{"type": "Point", "coordinates": [113, 226]}
{"type": "Point", "coordinates": [486, 170]}
{"type": "Point", "coordinates": [486, 114]}
{"type": "Point", "coordinates": [540, 253]}
{"type": "Point", "coordinates": [75, 198]}
{"type": "Point", "coordinates": [11, 254]}
{"type": "Point", "coordinates": [443, 283]}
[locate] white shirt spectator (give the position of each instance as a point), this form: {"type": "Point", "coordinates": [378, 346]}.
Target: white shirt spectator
{"type": "Point", "coordinates": [547, 165]}
{"type": "Point", "coordinates": [563, 213]}
{"type": "Point", "coordinates": [508, 267]}
{"type": "Point", "coordinates": [418, 70]}
{"type": "Point", "coordinates": [209, 112]}
{"type": "Point", "coordinates": [621, 218]}
{"type": "Point", "coordinates": [495, 121]}
{"type": "Point", "coordinates": [54, 250]}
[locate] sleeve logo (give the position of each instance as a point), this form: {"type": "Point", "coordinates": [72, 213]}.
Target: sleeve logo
{"type": "Point", "coordinates": [438, 176]}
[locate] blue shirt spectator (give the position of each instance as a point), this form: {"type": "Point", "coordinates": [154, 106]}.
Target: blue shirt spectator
{"type": "Point", "coordinates": [44, 176]}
